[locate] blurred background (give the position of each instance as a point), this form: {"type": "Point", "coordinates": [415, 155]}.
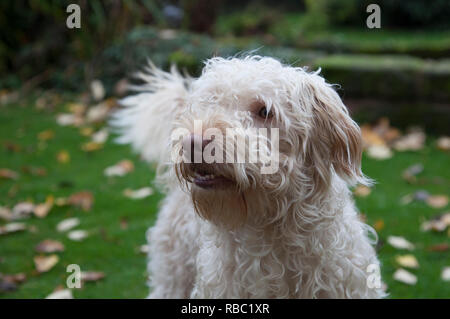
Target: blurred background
{"type": "Point", "coordinates": [70, 195]}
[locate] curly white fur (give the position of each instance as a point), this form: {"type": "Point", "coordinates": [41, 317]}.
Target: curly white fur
{"type": "Point", "coordinates": [292, 234]}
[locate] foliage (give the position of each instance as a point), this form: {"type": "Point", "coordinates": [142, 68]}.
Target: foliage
{"type": "Point", "coordinates": [415, 14]}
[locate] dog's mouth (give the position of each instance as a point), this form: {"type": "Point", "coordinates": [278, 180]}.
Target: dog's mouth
{"type": "Point", "coordinates": [206, 177]}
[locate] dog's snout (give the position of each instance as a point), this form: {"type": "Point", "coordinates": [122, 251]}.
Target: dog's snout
{"type": "Point", "coordinates": [193, 146]}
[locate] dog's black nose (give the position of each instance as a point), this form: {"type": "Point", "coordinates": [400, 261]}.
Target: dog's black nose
{"type": "Point", "coordinates": [193, 146]}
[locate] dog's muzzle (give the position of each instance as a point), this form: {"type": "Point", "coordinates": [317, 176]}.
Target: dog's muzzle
{"type": "Point", "coordinates": [196, 170]}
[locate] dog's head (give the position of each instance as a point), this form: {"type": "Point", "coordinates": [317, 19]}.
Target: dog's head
{"type": "Point", "coordinates": [254, 133]}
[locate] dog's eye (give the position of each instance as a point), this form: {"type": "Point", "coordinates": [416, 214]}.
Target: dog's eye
{"type": "Point", "coordinates": [264, 113]}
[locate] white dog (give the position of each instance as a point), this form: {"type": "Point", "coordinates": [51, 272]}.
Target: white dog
{"type": "Point", "coordinates": [225, 230]}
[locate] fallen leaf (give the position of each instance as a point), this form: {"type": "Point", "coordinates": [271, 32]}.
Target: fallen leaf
{"type": "Point", "coordinates": [121, 87]}
{"type": "Point", "coordinates": [22, 210]}
{"type": "Point", "coordinates": [99, 112]}
{"type": "Point", "coordinates": [443, 143]}
{"type": "Point", "coordinates": [101, 136]}
{"type": "Point", "coordinates": [46, 135]}
{"type": "Point", "coordinates": [362, 191]}
{"type": "Point", "coordinates": [97, 90]}
{"type": "Point", "coordinates": [77, 235]}
{"type": "Point", "coordinates": [378, 225]}
{"type": "Point", "coordinates": [91, 146]}
{"type": "Point", "coordinates": [49, 246]}
{"type": "Point", "coordinates": [77, 108]}
{"type": "Point", "coordinates": [66, 119]}
{"type": "Point", "coordinates": [35, 171]}
{"type": "Point", "coordinates": [86, 131]}
{"type": "Point", "coordinates": [123, 223]}
{"type": "Point", "coordinates": [61, 201]}
{"type": "Point", "coordinates": [408, 261]}
{"type": "Point", "coordinates": [67, 224]}
{"type": "Point", "coordinates": [12, 228]}
{"type": "Point", "coordinates": [439, 223]}
{"type": "Point", "coordinates": [400, 243]}
{"type": "Point", "coordinates": [61, 294]}
{"type": "Point", "coordinates": [42, 210]}
{"type": "Point", "coordinates": [445, 275]}
{"type": "Point", "coordinates": [8, 174]}
{"type": "Point", "coordinates": [379, 152]}
{"type": "Point", "coordinates": [138, 193]}
{"type": "Point", "coordinates": [45, 263]}
{"type": "Point", "coordinates": [439, 247]}
{"type": "Point", "coordinates": [120, 169]}
{"type": "Point", "coordinates": [83, 200]}
{"type": "Point", "coordinates": [437, 201]}
{"type": "Point", "coordinates": [63, 157]}
{"type": "Point", "coordinates": [413, 141]}
{"type": "Point", "coordinates": [144, 249]}
{"type": "Point", "coordinates": [5, 213]}
{"type": "Point", "coordinates": [411, 172]}
{"type": "Point", "coordinates": [10, 283]}
{"type": "Point", "coordinates": [405, 277]}
{"type": "Point", "coordinates": [89, 276]}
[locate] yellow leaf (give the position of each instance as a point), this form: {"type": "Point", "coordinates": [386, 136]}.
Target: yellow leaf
{"type": "Point", "coordinates": [46, 135]}
{"type": "Point", "coordinates": [91, 146]}
{"type": "Point", "coordinates": [408, 261]}
{"type": "Point", "coordinates": [378, 225]}
{"type": "Point", "coordinates": [63, 157]}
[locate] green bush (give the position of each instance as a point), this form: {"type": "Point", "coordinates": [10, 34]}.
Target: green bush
{"type": "Point", "coordinates": [414, 14]}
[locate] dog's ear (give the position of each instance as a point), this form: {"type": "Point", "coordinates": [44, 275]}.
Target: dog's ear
{"type": "Point", "coordinates": [146, 119]}
{"type": "Point", "coordinates": [335, 141]}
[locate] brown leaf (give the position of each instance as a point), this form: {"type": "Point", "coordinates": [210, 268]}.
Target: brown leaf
{"type": "Point", "coordinates": [89, 276]}
{"type": "Point", "coordinates": [45, 263]}
{"type": "Point", "coordinates": [8, 174]}
{"type": "Point", "coordinates": [439, 247]}
{"type": "Point", "coordinates": [362, 191]}
{"type": "Point", "coordinates": [83, 199]}
{"type": "Point", "coordinates": [437, 201]}
{"type": "Point", "coordinates": [49, 246]}
{"type": "Point", "coordinates": [9, 283]}
{"type": "Point", "coordinates": [123, 223]}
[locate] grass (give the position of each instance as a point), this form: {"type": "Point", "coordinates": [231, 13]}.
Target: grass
{"type": "Point", "coordinates": [114, 249]}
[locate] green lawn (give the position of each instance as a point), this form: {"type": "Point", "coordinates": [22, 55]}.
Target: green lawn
{"type": "Point", "coordinates": [113, 248]}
